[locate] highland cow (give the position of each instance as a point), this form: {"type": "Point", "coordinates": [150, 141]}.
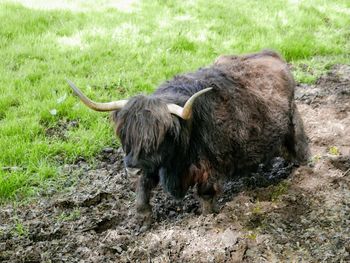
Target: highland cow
{"type": "Point", "coordinates": [217, 122]}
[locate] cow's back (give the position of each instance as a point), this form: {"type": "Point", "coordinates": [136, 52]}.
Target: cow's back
{"type": "Point", "coordinates": [247, 121]}
{"type": "Point", "coordinates": [266, 72]}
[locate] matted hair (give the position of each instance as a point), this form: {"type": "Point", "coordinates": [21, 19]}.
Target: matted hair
{"type": "Point", "coordinates": [143, 124]}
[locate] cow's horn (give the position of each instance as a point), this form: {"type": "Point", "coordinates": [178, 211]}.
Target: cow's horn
{"type": "Point", "coordinates": [186, 112]}
{"type": "Point", "coordinates": [106, 106]}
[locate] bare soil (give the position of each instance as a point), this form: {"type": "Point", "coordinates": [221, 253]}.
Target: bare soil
{"type": "Point", "coordinates": [272, 216]}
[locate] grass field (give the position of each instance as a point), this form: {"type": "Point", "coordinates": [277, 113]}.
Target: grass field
{"type": "Point", "coordinates": [118, 50]}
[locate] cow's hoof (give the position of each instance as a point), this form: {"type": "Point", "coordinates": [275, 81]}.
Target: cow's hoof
{"type": "Point", "coordinates": [209, 207]}
{"type": "Point", "coordinates": [144, 220]}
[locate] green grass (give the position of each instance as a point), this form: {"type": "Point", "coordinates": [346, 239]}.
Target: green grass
{"type": "Point", "coordinates": [110, 53]}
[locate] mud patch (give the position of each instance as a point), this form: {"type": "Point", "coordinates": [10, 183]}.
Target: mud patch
{"type": "Point", "coordinates": [328, 89]}
{"type": "Point", "coordinates": [60, 129]}
{"type": "Point", "coordinates": [268, 217]}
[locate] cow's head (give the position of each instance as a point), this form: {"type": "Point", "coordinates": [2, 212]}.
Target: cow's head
{"type": "Point", "coordinates": [148, 127]}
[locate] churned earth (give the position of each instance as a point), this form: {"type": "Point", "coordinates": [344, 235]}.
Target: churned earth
{"type": "Point", "coordinates": [272, 216]}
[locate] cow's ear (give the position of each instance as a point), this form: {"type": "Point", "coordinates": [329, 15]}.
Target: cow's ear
{"type": "Point", "coordinates": [116, 112]}
{"type": "Point", "coordinates": [114, 116]}
{"type": "Point", "coordinates": [175, 130]}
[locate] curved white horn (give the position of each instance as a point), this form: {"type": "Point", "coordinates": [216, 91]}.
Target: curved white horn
{"type": "Point", "coordinates": [97, 106]}
{"type": "Point", "coordinates": [186, 112]}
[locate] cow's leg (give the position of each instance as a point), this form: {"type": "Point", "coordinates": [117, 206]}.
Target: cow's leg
{"type": "Point", "coordinates": [208, 192]}
{"type": "Point", "coordinates": [145, 185]}
{"type": "Point", "coordinates": [297, 140]}
{"type": "Point", "coordinates": [301, 140]}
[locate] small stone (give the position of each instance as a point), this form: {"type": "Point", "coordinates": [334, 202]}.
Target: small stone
{"type": "Point", "coordinates": [108, 150]}
{"type": "Point", "coordinates": [74, 124]}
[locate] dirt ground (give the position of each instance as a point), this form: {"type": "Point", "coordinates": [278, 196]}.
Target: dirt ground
{"type": "Point", "coordinates": [272, 216]}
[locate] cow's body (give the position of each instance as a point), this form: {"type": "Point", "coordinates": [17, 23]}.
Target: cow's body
{"type": "Point", "coordinates": [246, 119]}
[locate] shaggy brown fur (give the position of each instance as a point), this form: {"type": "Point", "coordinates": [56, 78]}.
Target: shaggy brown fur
{"type": "Point", "coordinates": [247, 118]}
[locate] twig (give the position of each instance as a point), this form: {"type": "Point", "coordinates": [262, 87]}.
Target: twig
{"type": "Point", "coordinates": [345, 173]}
